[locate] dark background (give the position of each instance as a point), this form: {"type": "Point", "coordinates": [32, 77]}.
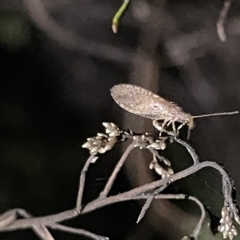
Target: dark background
{"type": "Point", "coordinates": [58, 60]}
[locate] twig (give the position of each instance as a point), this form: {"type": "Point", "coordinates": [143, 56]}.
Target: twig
{"type": "Point", "coordinates": [150, 186]}
{"type": "Point", "coordinates": [122, 160]}
{"type": "Point", "coordinates": [82, 182]}
{"type": "Point", "coordinates": [46, 220]}
{"type": "Point", "coordinates": [78, 231]}
{"type": "Point", "coordinates": [43, 232]}
{"type": "Point", "coordinates": [40, 230]}
{"type": "Point", "coordinates": [7, 218]}
{"type": "Point", "coordinates": [221, 20]}
{"type": "Point", "coordinates": [148, 202]}
{"type": "Point", "coordinates": [101, 202]}
{"type": "Point", "coordinates": [189, 149]}
{"type": "Point", "coordinates": [198, 227]}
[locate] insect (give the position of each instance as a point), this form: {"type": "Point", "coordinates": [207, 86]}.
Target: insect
{"type": "Point", "coordinates": [143, 102]}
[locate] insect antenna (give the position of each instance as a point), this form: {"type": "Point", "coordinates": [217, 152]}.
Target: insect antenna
{"type": "Point", "coordinates": [216, 114]}
{"type": "Point", "coordinates": [208, 115]}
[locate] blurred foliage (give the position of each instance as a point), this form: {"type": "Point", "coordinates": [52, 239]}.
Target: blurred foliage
{"type": "Point", "coordinates": [14, 29]}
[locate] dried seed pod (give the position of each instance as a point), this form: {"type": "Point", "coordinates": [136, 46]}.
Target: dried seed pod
{"type": "Point", "coordinates": [143, 102]}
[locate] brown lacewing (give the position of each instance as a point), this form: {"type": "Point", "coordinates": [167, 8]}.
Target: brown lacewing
{"type": "Point", "coordinates": [143, 102]}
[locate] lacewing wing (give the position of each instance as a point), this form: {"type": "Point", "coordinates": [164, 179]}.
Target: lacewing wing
{"type": "Point", "coordinates": [143, 102]}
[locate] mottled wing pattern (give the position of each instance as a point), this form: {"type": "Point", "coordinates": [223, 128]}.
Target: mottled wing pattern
{"type": "Point", "coordinates": [142, 102]}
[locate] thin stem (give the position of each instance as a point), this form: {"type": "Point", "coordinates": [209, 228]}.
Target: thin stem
{"type": "Point", "coordinates": [78, 231]}
{"type": "Point", "coordinates": [189, 149]}
{"type": "Point", "coordinates": [150, 186]}
{"type": "Point", "coordinates": [221, 20]}
{"type": "Point", "coordinates": [148, 202]}
{"type": "Point", "coordinates": [40, 230]}
{"type": "Point", "coordinates": [46, 220]}
{"type": "Point", "coordinates": [118, 15]}
{"type": "Point", "coordinates": [160, 158]}
{"type": "Point", "coordinates": [118, 167]}
{"type": "Point", "coordinates": [198, 227]}
{"type": "Point", "coordinates": [82, 183]}
{"type": "Point", "coordinates": [7, 218]}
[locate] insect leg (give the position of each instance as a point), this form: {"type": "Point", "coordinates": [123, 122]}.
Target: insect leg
{"type": "Point", "coordinates": [165, 122]}
{"type": "Point", "coordinates": [174, 126]}
{"type": "Point", "coordinates": [180, 127]}
{"type": "Point", "coordinates": [159, 126]}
